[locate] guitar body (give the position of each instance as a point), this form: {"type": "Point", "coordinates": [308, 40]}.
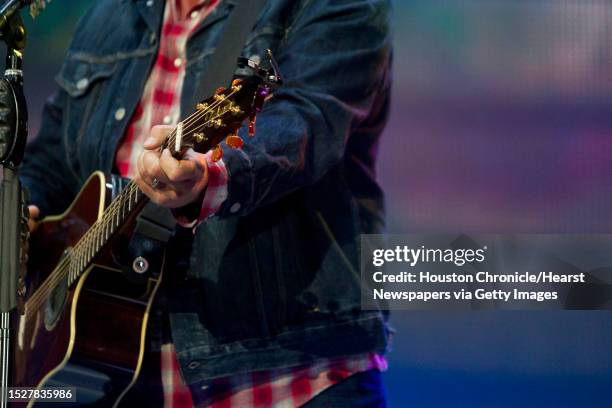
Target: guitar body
{"type": "Point", "coordinates": [101, 317]}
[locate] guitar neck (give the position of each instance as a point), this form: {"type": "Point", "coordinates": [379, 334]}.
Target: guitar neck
{"type": "Point", "coordinates": [126, 206]}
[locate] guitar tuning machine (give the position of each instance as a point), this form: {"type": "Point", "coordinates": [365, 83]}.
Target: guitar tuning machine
{"type": "Point", "coordinates": [217, 154]}
{"type": "Point", "coordinates": [199, 137]}
{"type": "Point", "coordinates": [234, 141]}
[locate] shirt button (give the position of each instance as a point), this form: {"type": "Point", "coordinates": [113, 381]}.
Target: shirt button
{"type": "Point", "coordinates": [120, 114]}
{"type": "Point", "coordinates": [178, 62]}
{"type": "Point", "coordinates": [149, 3]}
{"type": "Point", "coordinates": [82, 84]}
{"type": "Point", "coordinates": [167, 120]}
{"type": "Point", "coordinates": [235, 208]}
{"type": "Point", "coordinates": [193, 365]}
{"type": "Point", "coordinates": [194, 14]}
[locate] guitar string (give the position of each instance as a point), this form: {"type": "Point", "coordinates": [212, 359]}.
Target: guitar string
{"type": "Point", "coordinates": [51, 282]}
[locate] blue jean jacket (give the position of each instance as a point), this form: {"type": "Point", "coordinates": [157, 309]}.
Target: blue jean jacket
{"type": "Point", "coordinates": [273, 279]}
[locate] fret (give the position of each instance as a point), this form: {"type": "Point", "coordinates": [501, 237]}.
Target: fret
{"type": "Point", "coordinates": [100, 238]}
{"type": "Point", "coordinates": [85, 250]}
{"type": "Point", "coordinates": [74, 266]}
{"type": "Point", "coordinates": [123, 207]}
{"type": "Point", "coordinates": [80, 254]}
{"type": "Point", "coordinates": [119, 209]}
{"type": "Point", "coordinates": [88, 252]}
{"type": "Point", "coordinates": [70, 270]}
{"type": "Point", "coordinates": [92, 244]}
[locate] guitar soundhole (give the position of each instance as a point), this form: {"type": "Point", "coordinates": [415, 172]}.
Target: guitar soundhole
{"type": "Point", "coordinates": [54, 307]}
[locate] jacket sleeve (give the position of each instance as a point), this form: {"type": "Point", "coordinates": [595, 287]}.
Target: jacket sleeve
{"type": "Point", "coordinates": [45, 171]}
{"type": "Point", "coordinates": [334, 58]}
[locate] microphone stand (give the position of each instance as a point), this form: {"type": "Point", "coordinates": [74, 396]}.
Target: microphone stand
{"type": "Point", "coordinates": [13, 210]}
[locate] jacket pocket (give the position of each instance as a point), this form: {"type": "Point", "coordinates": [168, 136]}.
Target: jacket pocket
{"type": "Point", "coordinates": [83, 82]}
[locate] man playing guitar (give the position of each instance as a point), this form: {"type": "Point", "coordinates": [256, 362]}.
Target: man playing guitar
{"type": "Point", "coordinates": [265, 310]}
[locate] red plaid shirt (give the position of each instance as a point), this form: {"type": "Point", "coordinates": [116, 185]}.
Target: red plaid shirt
{"type": "Point", "coordinates": [160, 104]}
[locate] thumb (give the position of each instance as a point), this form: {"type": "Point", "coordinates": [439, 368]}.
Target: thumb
{"type": "Point", "coordinates": [34, 213]}
{"type": "Point", "coordinates": [158, 135]}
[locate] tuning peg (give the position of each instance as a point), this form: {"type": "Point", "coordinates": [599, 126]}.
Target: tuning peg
{"type": "Point", "coordinates": [234, 141]}
{"type": "Point", "coordinates": [252, 125]}
{"type": "Point", "coordinates": [199, 137]}
{"type": "Point", "coordinates": [217, 154]}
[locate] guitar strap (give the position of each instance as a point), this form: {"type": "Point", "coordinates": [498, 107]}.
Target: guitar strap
{"type": "Point", "coordinates": [156, 225]}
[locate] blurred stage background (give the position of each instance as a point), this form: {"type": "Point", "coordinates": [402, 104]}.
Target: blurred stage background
{"type": "Point", "coordinates": [501, 122]}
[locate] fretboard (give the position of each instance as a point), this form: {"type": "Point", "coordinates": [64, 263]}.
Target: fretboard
{"type": "Point", "coordinates": [127, 202]}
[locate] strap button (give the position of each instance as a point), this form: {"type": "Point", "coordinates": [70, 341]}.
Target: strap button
{"type": "Point", "coordinates": [140, 265]}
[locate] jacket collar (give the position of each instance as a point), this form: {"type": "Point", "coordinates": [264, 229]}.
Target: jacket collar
{"type": "Point", "coordinates": [152, 12]}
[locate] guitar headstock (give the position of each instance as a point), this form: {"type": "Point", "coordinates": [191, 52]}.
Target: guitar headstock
{"type": "Point", "coordinates": [218, 118]}
{"type": "Point", "coordinates": [37, 6]}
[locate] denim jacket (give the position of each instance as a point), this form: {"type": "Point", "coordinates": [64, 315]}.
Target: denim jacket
{"type": "Point", "coordinates": [273, 278]}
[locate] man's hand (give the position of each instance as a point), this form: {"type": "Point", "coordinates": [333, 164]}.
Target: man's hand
{"type": "Point", "coordinates": [177, 182]}
{"type": "Point", "coordinates": [34, 213]}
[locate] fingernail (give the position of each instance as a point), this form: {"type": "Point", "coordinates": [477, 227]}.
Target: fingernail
{"type": "Point", "coordinates": [149, 141]}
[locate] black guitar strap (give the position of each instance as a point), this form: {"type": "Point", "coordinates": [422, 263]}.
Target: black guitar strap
{"type": "Point", "coordinates": [220, 69]}
{"type": "Point", "coordinates": [156, 225]}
